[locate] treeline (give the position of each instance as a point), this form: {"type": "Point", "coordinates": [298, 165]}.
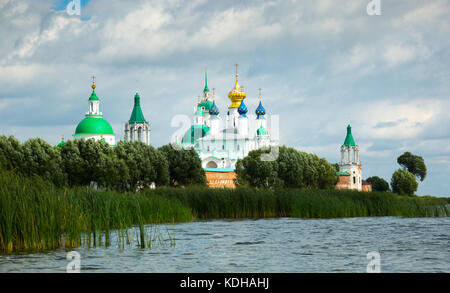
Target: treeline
{"type": "Point", "coordinates": [403, 181]}
{"type": "Point", "coordinates": [289, 168]}
{"type": "Point", "coordinates": [126, 167]}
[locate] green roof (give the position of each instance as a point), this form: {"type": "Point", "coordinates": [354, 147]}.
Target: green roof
{"type": "Point", "coordinates": [137, 116]}
{"type": "Point", "coordinates": [262, 131]}
{"type": "Point", "coordinates": [207, 104]}
{"type": "Point", "coordinates": [94, 125]}
{"type": "Point", "coordinates": [343, 173]}
{"type": "Point", "coordinates": [199, 111]}
{"type": "Point", "coordinates": [62, 143]}
{"type": "Point", "coordinates": [93, 96]}
{"type": "Point", "coordinates": [194, 133]}
{"type": "Point", "coordinates": [349, 141]}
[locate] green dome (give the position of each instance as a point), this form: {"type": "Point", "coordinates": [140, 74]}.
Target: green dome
{"type": "Point", "coordinates": [262, 131]}
{"type": "Point", "coordinates": [94, 125]}
{"type": "Point", "coordinates": [207, 104]}
{"type": "Point", "coordinates": [194, 133]}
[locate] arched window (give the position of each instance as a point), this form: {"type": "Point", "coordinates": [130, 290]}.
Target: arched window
{"type": "Point", "coordinates": [211, 164]}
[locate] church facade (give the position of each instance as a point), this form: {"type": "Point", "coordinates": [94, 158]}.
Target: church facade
{"type": "Point", "coordinates": [221, 139]}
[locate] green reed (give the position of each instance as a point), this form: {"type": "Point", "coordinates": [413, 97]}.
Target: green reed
{"type": "Point", "coordinates": [35, 215]}
{"type": "Point", "coordinates": [209, 203]}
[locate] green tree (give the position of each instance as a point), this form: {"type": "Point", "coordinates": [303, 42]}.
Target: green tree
{"type": "Point", "coordinates": [327, 174]}
{"type": "Point", "coordinates": [73, 163]}
{"type": "Point", "coordinates": [137, 157]}
{"type": "Point", "coordinates": [252, 171]}
{"type": "Point", "coordinates": [42, 159]}
{"type": "Point", "coordinates": [82, 160]}
{"type": "Point", "coordinates": [185, 166]}
{"type": "Point", "coordinates": [378, 184]}
{"type": "Point", "coordinates": [10, 153]}
{"type": "Point", "coordinates": [404, 182]}
{"type": "Point", "coordinates": [414, 164]}
{"type": "Point", "coordinates": [112, 171]}
{"type": "Point", "coordinates": [290, 167]}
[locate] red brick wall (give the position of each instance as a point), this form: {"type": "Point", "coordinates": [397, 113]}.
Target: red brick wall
{"type": "Point", "coordinates": [344, 182]}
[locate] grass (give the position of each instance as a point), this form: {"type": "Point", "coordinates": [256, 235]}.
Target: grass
{"type": "Point", "coordinates": [35, 215]}
{"type": "Point", "coordinates": [216, 203]}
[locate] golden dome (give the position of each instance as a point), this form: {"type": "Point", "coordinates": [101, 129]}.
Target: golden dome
{"type": "Point", "coordinates": [237, 94]}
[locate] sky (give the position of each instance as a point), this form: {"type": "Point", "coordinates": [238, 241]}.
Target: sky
{"type": "Point", "coordinates": [321, 65]}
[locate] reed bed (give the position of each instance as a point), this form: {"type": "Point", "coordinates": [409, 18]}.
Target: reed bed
{"type": "Point", "coordinates": [36, 215]}
{"type": "Point", "coordinates": [216, 203]}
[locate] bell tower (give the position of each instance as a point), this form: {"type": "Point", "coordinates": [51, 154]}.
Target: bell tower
{"type": "Point", "coordinates": [350, 164]}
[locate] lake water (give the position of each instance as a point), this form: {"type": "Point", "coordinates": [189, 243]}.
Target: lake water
{"type": "Point", "coordinates": [268, 245]}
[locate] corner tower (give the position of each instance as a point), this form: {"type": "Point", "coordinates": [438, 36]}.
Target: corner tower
{"type": "Point", "coordinates": [350, 164]}
{"type": "Point", "coordinates": [137, 128]}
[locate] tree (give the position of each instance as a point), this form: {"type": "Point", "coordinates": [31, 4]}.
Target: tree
{"type": "Point", "coordinates": [414, 164]}
{"type": "Point", "coordinates": [82, 160]}
{"type": "Point", "coordinates": [252, 171]}
{"type": "Point", "coordinates": [292, 168]}
{"type": "Point", "coordinates": [137, 156]}
{"type": "Point", "coordinates": [378, 184]}
{"type": "Point", "coordinates": [10, 153]}
{"type": "Point", "coordinates": [327, 175]}
{"type": "Point", "coordinates": [185, 166]}
{"type": "Point", "coordinates": [42, 159]}
{"type": "Point", "coordinates": [404, 182]}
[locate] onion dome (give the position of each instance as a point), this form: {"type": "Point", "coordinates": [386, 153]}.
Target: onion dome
{"type": "Point", "coordinates": [260, 111]}
{"type": "Point", "coordinates": [349, 141]}
{"type": "Point", "coordinates": [205, 105]}
{"type": "Point", "coordinates": [242, 110]}
{"type": "Point", "coordinates": [237, 94]}
{"type": "Point", "coordinates": [137, 116]}
{"type": "Point", "coordinates": [93, 123]}
{"type": "Point", "coordinates": [262, 131]}
{"type": "Point", "coordinates": [62, 143]}
{"type": "Point", "coordinates": [214, 109]}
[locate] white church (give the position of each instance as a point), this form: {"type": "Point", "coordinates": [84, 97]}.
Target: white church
{"type": "Point", "coordinates": [221, 139]}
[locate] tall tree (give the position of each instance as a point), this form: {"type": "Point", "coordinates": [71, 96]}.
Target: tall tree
{"type": "Point", "coordinates": [378, 184]}
{"type": "Point", "coordinates": [185, 166]}
{"type": "Point", "coordinates": [10, 153]}
{"type": "Point", "coordinates": [404, 182]}
{"type": "Point", "coordinates": [42, 159]}
{"type": "Point", "coordinates": [252, 171]}
{"type": "Point", "coordinates": [414, 164]}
